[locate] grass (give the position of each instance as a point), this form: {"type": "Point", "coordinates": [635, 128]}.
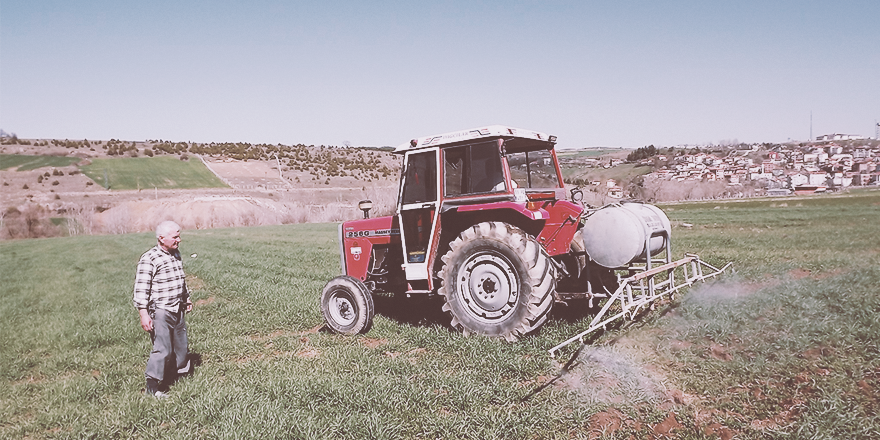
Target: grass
{"type": "Point", "coordinates": [23, 162]}
{"type": "Point", "coordinates": [786, 347]}
{"type": "Point", "coordinates": [151, 172]}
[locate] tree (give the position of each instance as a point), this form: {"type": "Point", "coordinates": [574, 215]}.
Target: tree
{"type": "Point", "coordinates": [642, 153]}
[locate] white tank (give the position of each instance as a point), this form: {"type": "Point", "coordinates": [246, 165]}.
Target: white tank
{"type": "Point", "coordinates": [615, 235]}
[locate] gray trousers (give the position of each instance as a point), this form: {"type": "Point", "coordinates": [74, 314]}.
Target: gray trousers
{"type": "Point", "coordinates": [169, 343]}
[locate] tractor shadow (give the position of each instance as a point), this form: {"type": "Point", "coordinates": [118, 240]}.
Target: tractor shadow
{"type": "Point", "coordinates": [424, 311]}
{"type": "Point", "coordinates": [575, 310]}
{"type": "Point", "coordinates": [417, 311]}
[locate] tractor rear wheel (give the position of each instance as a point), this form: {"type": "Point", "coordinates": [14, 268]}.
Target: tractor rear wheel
{"type": "Point", "coordinates": [347, 305]}
{"type": "Point", "coordinates": [497, 281]}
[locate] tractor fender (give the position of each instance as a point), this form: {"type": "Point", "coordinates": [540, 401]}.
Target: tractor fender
{"type": "Point", "coordinates": [520, 207]}
{"type": "Point", "coordinates": [552, 223]}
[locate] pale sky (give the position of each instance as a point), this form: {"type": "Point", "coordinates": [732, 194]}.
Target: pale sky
{"type": "Point", "coordinates": [375, 73]}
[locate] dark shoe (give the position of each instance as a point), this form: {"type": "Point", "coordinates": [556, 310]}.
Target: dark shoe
{"type": "Point", "coordinates": [152, 389]}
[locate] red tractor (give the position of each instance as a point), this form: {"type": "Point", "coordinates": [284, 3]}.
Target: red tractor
{"type": "Point", "coordinates": [483, 221]}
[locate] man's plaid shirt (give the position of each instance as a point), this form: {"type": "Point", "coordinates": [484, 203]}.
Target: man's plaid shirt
{"type": "Point", "coordinates": [160, 281]}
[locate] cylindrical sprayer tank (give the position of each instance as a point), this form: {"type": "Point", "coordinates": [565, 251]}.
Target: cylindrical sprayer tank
{"type": "Point", "coordinates": [618, 234]}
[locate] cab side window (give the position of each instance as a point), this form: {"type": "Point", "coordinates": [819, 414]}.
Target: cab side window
{"type": "Point", "coordinates": [473, 169]}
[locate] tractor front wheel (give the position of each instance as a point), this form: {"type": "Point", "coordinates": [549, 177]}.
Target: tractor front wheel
{"type": "Point", "coordinates": [347, 305]}
{"type": "Point", "coordinates": [497, 281]}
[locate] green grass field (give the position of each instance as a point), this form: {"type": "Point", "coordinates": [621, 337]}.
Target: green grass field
{"type": "Point", "coordinates": [787, 347]}
{"type": "Point", "coordinates": [151, 172]}
{"type": "Point", "coordinates": [26, 163]}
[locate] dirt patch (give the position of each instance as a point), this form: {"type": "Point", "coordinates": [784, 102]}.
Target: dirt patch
{"type": "Point", "coordinates": [718, 351]}
{"type": "Point", "coordinates": [29, 380]}
{"type": "Point", "coordinates": [204, 302]}
{"type": "Point", "coordinates": [605, 423]}
{"type": "Point", "coordinates": [313, 330]}
{"type": "Point", "coordinates": [194, 283]}
{"type": "Point", "coordinates": [373, 342]}
{"type": "Point", "coordinates": [676, 345]}
{"type": "Point", "coordinates": [308, 353]}
{"type": "Point", "coordinates": [248, 175]}
{"type": "Point", "coordinates": [679, 397]}
{"type": "Point", "coordinates": [783, 418]}
{"type": "Point", "coordinates": [719, 430]}
{"type": "Point", "coordinates": [817, 353]}
{"type": "Point", "coordinates": [667, 427]}
{"type": "Point", "coordinates": [799, 274]}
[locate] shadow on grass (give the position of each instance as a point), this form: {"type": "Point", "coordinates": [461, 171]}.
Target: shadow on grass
{"type": "Point", "coordinates": [423, 311]}
{"type": "Point", "coordinates": [193, 361]}
{"type": "Point", "coordinates": [419, 311]}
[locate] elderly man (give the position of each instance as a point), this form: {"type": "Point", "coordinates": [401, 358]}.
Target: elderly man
{"type": "Point", "coordinates": [161, 298]}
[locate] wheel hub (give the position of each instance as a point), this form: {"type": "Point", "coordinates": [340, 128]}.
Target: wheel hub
{"type": "Point", "coordinates": [488, 286]}
{"type": "Point", "coordinates": [342, 309]}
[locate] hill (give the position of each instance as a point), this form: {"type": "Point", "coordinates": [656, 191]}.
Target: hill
{"type": "Point", "coordinates": [53, 187]}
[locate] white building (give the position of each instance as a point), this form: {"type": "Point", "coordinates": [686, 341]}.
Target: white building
{"type": "Point", "coordinates": [839, 137]}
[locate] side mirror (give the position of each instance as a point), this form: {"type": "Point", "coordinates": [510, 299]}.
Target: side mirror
{"type": "Point", "coordinates": [365, 205]}
{"type": "Point", "coordinates": [577, 196]}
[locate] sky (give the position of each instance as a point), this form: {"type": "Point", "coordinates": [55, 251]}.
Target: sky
{"type": "Point", "coordinates": [378, 73]}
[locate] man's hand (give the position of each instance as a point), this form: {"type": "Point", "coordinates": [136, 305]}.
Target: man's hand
{"type": "Point", "coordinates": [189, 306]}
{"type": "Point", "coordinates": [146, 321]}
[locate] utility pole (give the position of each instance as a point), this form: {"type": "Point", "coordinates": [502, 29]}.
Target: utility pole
{"type": "Point", "coordinates": [811, 126]}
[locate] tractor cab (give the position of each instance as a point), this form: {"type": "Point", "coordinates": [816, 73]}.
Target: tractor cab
{"type": "Point", "coordinates": [452, 177]}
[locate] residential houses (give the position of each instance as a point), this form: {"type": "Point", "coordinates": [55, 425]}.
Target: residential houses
{"type": "Point", "coordinates": [782, 169]}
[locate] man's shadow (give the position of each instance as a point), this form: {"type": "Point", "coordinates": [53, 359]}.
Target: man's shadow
{"type": "Point", "coordinates": [172, 374]}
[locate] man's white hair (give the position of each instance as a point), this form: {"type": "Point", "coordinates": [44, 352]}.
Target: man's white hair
{"type": "Point", "coordinates": [166, 227]}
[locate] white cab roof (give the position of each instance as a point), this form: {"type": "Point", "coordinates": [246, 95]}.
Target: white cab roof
{"type": "Point", "coordinates": [486, 132]}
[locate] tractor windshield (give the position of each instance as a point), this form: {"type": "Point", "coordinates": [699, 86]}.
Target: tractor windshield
{"type": "Point", "coordinates": [533, 169]}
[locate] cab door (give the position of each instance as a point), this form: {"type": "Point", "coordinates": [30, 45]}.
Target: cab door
{"type": "Point", "coordinates": [418, 216]}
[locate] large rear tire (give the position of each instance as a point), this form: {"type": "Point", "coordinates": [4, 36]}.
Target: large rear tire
{"type": "Point", "coordinates": [347, 305]}
{"type": "Point", "coordinates": [497, 281]}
